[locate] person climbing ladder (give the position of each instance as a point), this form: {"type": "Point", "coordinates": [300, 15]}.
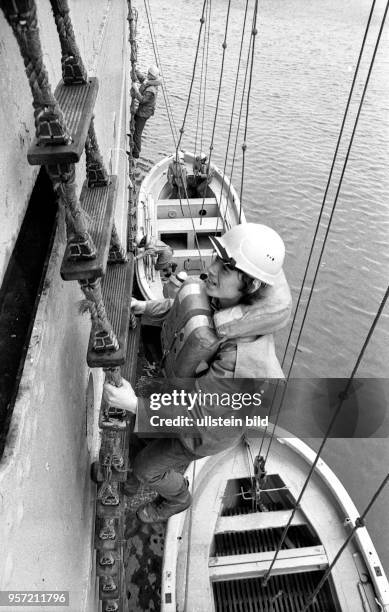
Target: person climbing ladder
{"type": "Point", "coordinates": [146, 94]}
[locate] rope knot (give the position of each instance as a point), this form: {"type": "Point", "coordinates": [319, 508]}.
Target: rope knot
{"type": "Point", "coordinates": [244, 146]}
{"type": "Point", "coordinates": [202, 19]}
{"type": "Point", "coordinates": [254, 31]}
{"type": "Point", "coordinates": [224, 45]}
{"type": "Point", "coordinates": [359, 522]}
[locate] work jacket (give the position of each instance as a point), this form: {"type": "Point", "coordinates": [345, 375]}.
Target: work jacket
{"type": "Point", "coordinates": [244, 359]}
{"type": "Point", "coordinates": [147, 95]}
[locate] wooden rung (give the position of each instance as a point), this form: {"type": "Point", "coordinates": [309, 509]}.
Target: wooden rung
{"type": "Point", "coordinates": [129, 367]}
{"type": "Point", "coordinates": [117, 290]}
{"type": "Point", "coordinates": [77, 103]}
{"type": "Point", "coordinates": [252, 565]}
{"type": "Point", "coordinates": [99, 206]}
{"type": "Point", "coordinates": [258, 520]}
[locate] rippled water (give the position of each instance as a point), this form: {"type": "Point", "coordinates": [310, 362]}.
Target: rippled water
{"type": "Point", "coordinates": [305, 57]}
{"type": "Point", "coordinates": [306, 53]}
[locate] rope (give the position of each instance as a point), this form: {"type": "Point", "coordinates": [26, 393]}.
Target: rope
{"type": "Point", "coordinates": [238, 125]}
{"type": "Point", "coordinates": [233, 108]}
{"type": "Point", "coordinates": [201, 87]}
{"type": "Point", "coordinates": [169, 111]}
{"type": "Point", "coordinates": [342, 398]}
{"type": "Point", "coordinates": [208, 33]}
{"type": "Point", "coordinates": [330, 176]}
{"type": "Point", "coordinates": [358, 524]}
{"type": "Point", "coordinates": [224, 46]}
{"type": "Point", "coordinates": [244, 145]}
{"type": "Point", "coordinates": [47, 113]}
{"type": "Point", "coordinates": [182, 129]}
{"type": "Point", "coordinates": [331, 215]}
{"type": "Point", "coordinates": [73, 69]}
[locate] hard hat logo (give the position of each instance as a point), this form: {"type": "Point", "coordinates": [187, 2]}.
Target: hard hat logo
{"type": "Point", "coordinates": [252, 248]}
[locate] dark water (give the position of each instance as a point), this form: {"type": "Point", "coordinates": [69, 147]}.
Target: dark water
{"type": "Point", "coordinates": [305, 57]}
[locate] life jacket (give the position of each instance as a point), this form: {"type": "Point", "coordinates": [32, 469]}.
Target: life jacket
{"type": "Point", "coordinates": [146, 109]}
{"type": "Point", "coordinates": [188, 337]}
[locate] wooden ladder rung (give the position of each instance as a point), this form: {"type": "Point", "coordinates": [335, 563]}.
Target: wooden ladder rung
{"type": "Point", "coordinates": [99, 206]}
{"type": "Point", "coordinates": [117, 291]}
{"type": "Point", "coordinates": [129, 368]}
{"type": "Point", "coordinates": [77, 103]}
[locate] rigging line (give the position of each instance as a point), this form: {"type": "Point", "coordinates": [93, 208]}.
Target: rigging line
{"type": "Point", "coordinates": [224, 46]}
{"type": "Point", "coordinates": [244, 145]}
{"type": "Point", "coordinates": [329, 178]}
{"type": "Point", "coordinates": [202, 20]}
{"type": "Point", "coordinates": [339, 184]}
{"type": "Point", "coordinates": [359, 522]}
{"type": "Point", "coordinates": [200, 87]}
{"type": "Point", "coordinates": [173, 128]}
{"type": "Point", "coordinates": [165, 89]}
{"type": "Point", "coordinates": [330, 219]}
{"type": "Point", "coordinates": [239, 122]}
{"type": "Point", "coordinates": [342, 398]}
{"type": "Point", "coordinates": [159, 62]}
{"type": "Point", "coordinates": [263, 437]}
{"type": "Point", "coordinates": [208, 31]}
{"type": "Point", "coordinates": [233, 108]}
{"type": "Point", "coordinates": [250, 461]}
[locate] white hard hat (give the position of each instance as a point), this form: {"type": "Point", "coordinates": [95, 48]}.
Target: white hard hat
{"type": "Point", "coordinates": [182, 275]}
{"type": "Point", "coordinates": [252, 248]}
{"type": "Point", "coordinates": [153, 71]}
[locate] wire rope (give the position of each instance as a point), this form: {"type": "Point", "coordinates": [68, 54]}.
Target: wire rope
{"type": "Point", "coordinates": [244, 145]}
{"type": "Point", "coordinates": [232, 110]}
{"type": "Point", "coordinates": [182, 129]}
{"type": "Point", "coordinates": [330, 176]}
{"type": "Point", "coordinates": [343, 395]}
{"type": "Point", "coordinates": [358, 524]}
{"type": "Point", "coordinates": [331, 216]}
{"type": "Point", "coordinates": [169, 111]}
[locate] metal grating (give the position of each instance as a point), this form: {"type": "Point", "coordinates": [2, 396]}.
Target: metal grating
{"type": "Point", "coordinates": [262, 540]}
{"type": "Point", "coordinates": [237, 497]}
{"type": "Point", "coordinates": [285, 593]}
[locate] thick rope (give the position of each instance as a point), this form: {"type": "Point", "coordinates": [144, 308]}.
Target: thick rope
{"type": "Point", "coordinates": [104, 337]}
{"type": "Point", "coordinates": [73, 69]}
{"type": "Point", "coordinates": [49, 121]}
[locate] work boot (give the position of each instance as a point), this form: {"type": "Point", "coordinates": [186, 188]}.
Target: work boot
{"type": "Point", "coordinates": [162, 509]}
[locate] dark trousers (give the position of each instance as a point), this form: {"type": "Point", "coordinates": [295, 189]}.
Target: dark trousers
{"type": "Point", "coordinates": [160, 465]}
{"type": "Point", "coordinates": [139, 125]}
